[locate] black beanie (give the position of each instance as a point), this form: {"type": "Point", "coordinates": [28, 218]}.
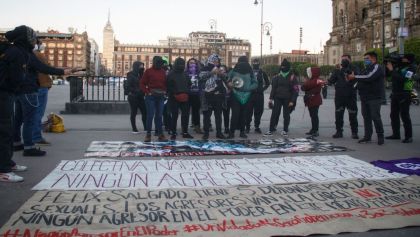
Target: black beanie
{"type": "Point", "coordinates": [22, 35]}
{"type": "Point", "coordinates": [243, 59]}
{"type": "Point", "coordinates": [285, 65]}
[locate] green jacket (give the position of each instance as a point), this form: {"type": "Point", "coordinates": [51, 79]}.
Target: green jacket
{"type": "Point", "coordinates": [250, 83]}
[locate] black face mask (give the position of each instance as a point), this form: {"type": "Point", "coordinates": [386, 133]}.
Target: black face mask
{"type": "Point", "coordinates": [345, 63]}
{"type": "Point", "coordinates": [285, 68]}
{"type": "Point", "coordinates": [255, 66]}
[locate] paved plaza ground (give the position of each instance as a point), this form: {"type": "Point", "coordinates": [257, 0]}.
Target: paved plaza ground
{"type": "Point", "coordinates": [82, 129]}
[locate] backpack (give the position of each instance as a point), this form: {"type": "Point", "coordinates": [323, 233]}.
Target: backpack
{"type": "Point", "coordinates": [4, 46]}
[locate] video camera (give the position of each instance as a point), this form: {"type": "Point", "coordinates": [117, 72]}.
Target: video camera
{"type": "Point", "coordinates": [394, 58]}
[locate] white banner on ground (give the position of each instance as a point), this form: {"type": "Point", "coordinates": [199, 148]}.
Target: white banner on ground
{"type": "Point", "coordinates": [99, 174]}
{"type": "Point", "coordinates": [263, 210]}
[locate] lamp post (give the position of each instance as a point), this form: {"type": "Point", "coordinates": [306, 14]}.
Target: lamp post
{"type": "Point", "coordinates": [267, 27]}
{"type": "Point", "coordinates": [213, 28]}
{"type": "Point", "coordinates": [261, 2]}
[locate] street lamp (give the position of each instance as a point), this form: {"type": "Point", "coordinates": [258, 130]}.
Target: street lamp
{"type": "Point", "coordinates": [261, 2]}
{"type": "Point", "coordinates": [213, 28]}
{"type": "Point", "coordinates": [267, 27]}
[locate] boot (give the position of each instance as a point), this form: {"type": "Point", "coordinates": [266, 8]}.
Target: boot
{"type": "Point", "coordinates": [197, 129]}
{"type": "Point", "coordinates": [338, 134]}
{"type": "Point", "coordinates": [393, 137]}
{"type": "Point", "coordinates": [205, 136]}
{"type": "Point", "coordinates": [226, 130]}
{"type": "Point", "coordinates": [220, 135]}
{"type": "Point", "coordinates": [408, 140]}
{"type": "Point", "coordinates": [34, 152]}
{"type": "Point", "coordinates": [247, 129]}
{"type": "Point", "coordinates": [231, 135]}
{"type": "Point", "coordinates": [187, 135]}
{"type": "Point", "coordinates": [162, 138]}
{"type": "Point", "coordinates": [354, 136]}
{"type": "Point", "coordinates": [148, 137]}
{"type": "Point", "coordinates": [258, 130]}
{"type": "Point", "coordinates": [364, 140]}
{"type": "Point", "coordinates": [243, 135]}
{"type": "Point", "coordinates": [381, 140]}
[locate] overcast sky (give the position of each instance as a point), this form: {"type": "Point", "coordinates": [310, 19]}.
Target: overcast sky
{"type": "Point", "coordinates": [147, 21]}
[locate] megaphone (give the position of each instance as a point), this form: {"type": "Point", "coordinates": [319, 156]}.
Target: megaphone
{"type": "Point", "coordinates": [237, 82]}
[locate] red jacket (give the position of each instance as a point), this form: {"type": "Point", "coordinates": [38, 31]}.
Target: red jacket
{"type": "Point", "coordinates": [313, 89]}
{"type": "Point", "coordinates": [153, 79]}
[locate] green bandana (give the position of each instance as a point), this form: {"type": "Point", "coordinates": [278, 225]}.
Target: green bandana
{"type": "Point", "coordinates": [284, 74]}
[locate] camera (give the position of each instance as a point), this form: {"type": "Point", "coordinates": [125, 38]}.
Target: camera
{"type": "Point", "coordinates": [394, 58]}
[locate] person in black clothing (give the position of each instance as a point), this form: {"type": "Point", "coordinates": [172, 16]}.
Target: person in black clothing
{"type": "Point", "coordinates": [135, 95]}
{"type": "Point", "coordinates": [18, 73]}
{"type": "Point", "coordinates": [226, 110]}
{"type": "Point", "coordinates": [284, 92]}
{"type": "Point", "coordinates": [345, 97]}
{"type": "Point", "coordinates": [192, 72]}
{"type": "Point", "coordinates": [178, 86]}
{"type": "Point", "coordinates": [256, 103]}
{"type": "Point", "coordinates": [370, 85]}
{"type": "Point", "coordinates": [402, 84]}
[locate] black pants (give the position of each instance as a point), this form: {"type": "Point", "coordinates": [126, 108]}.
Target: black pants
{"type": "Point", "coordinates": [166, 115]}
{"type": "Point", "coordinates": [400, 106]}
{"type": "Point", "coordinates": [175, 106]}
{"type": "Point", "coordinates": [341, 104]}
{"type": "Point", "coordinates": [275, 114]}
{"type": "Point", "coordinates": [239, 114]}
{"type": "Point", "coordinates": [194, 102]}
{"type": "Point", "coordinates": [6, 132]}
{"type": "Point", "coordinates": [371, 111]}
{"type": "Point", "coordinates": [313, 113]}
{"type": "Point", "coordinates": [137, 103]}
{"type": "Point", "coordinates": [256, 105]}
{"type": "Point", "coordinates": [215, 104]}
{"type": "Point", "coordinates": [226, 114]}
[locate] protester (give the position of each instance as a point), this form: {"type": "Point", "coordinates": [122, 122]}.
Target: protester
{"type": "Point", "coordinates": [345, 97]}
{"type": "Point", "coordinates": [136, 96]}
{"type": "Point", "coordinates": [226, 110]}
{"type": "Point", "coordinates": [45, 83]}
{"type": "Point", "coordinates": [284, 92]}
{"type": "Point", "coordinates": [371, 85]}
{"type": "Point", "coordinates": [18, 68]}
{"type": "Point", "coordinates": [212, 96]}
{"type": "Point", "coordinates": [256, 103]}
{"type": "Point", "coordinates": [192, 72]}
{"type": "Point", "coordinates": [402, 85]}
{"type": "Point", "coordinates": [178, 96]}
{"type": "Point", "coordinates": [242, 82]}
{"type": "Point", "coordinates": [153, 85]}
{"type": "Point", "coordinates": [312, 88]}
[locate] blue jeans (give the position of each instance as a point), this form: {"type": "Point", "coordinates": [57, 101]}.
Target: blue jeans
{"type": "Point", "coordinates": [154, 107]}
{"type": "Point", "coordinates": [42, 99]}
{"type": "Point", "coordinates": [26, 106]}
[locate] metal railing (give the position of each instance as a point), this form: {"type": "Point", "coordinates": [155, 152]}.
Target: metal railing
{"type": "Point", "coordinates": [97, 89]}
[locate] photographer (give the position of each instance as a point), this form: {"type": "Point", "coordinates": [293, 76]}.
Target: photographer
{"type": "Point", "coordinates": [401, 71]}
{"type": "Point", "coordinates": [345, 97]}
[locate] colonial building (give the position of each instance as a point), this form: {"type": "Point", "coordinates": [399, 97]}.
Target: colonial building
{"type": "Point", "coordinates": [357, 27]}
{"type": "Point", "coordinates": [94, 57]}
{"type": "Point", "coordinates": [294, 56]}
{"type": "Point", "coordinates": [198, 45]}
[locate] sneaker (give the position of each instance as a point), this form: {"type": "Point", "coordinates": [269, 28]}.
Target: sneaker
{"type": "Point", "coordinates": [187, 135]}
{"type": "Point", "coordinates": [162, 138]}
{"type": "Point", "coordinates": [338, 135]}
{"type": "Point", "coordinates": [243, 135]}
{"type": "Point", "coordinates": [220, 136]}
{"type": "Point", "coordinates": [34, 152]}
{"type": "Point", "coordinates": [393, 137]}
{"type": "Point", "coordinates": [310, 132]}
{"type": "Point", "coordinates": [268, 134]}
{"type": "Point", "coordinates": [18, 147]}
{"type": "Point", "coordinates": [148, 138]}
{"type": "Point", "coordinates": [10, 177]}
{"type": "Point", "coordinates": [135, 131]}
{"type": "Point", "coordinates": [19, 168]}
{"type": "Point", "coordinates": [205, 136]}
{"type": "Point", "coordinates": [284, 133]}
{"type": "Point", "coordinates": [258, 130]}
{"type": "Point", "coordinates": [354, 136]}
{"type": "Point", "coordinates": [408, 140]}
{"type": "Point", "coordinates": [173, 137]}
{"type": "Point", "coordinates": [364, 140]}
{"type": "Point", "coordinates": [43, 142]}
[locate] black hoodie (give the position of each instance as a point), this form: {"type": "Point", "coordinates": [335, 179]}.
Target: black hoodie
{"type": "Point", "coordinates": [178, 82]}
{"type": "Point", "coordinates": [133, 79]}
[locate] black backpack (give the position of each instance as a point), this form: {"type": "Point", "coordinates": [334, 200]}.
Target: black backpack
{"type": "Point", "coordinates": [4, 46]}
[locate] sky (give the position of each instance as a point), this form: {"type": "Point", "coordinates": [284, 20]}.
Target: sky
{"type": "Point", "coordinates": [148, 21]}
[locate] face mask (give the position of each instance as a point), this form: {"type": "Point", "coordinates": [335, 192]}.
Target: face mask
{"type": "Point", "coordinates": [367, 62]}
{"type": "Point", "coordinates": [192, 68]}
{"type": "Point", "coordinates": [309, 72]}
{"type": "Point", "coordinates": [255, 66]}
{"type": "Point", "coordinates": [345, 63]}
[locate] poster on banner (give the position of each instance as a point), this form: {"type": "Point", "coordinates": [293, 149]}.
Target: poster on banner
{"type": "Point", "coordinates": [202, 148]}
{"type": "Point", "coordinates": [410, 166]}
{"type": "Point", "coordinates": [101, 174]}
{"type": "Point", "coordinates": [264, 210]}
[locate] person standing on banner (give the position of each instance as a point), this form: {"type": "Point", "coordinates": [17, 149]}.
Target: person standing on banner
{"type": "Point", "coordinates": [312, 98]}
{"type": "Point", "coordinates": [178, 90]}
{"type": "Point", "coordinates": [45, 83]}
{"type": "Point", "coordinates": [345, 97]}
{"type": "Point", "coordinates": [213, 95]}
{"type": "Point", "coordinates": [402, 84]}
{"type": "Point", "coordinates": [284, 92]}
{"type": "Point", "coordinates": [226, 110]}
{"type": "Point", "coordinates": [136, 96]}
{"type": "Point", "coordinates": [370, 84]}
{"type": "Point", "coordinates": [256, 103]}
{"type": "Point", "coordinates": [153, 85]}
{"type": "Point", "coordinates": [192, 72]}
{"type": "Point", "coordinates": [242, 81]}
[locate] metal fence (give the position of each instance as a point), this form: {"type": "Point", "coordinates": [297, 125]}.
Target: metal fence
{"type": "Point", "coordinates": [97, 89]}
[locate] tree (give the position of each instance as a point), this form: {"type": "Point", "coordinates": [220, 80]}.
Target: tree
{"type": "Point", "coordinates": [271, 69]}
{"type": "Point", "coordinates": [326, 70]}
{"type": "Point", "coordinates": [412, 45]}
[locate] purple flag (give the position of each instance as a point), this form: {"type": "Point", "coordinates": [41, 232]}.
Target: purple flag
{"type": "Point", "coordinates": [410, 166]}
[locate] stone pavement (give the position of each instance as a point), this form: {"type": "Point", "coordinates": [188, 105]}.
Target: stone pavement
{"type": "Point", "coordinates": [82, 129]}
